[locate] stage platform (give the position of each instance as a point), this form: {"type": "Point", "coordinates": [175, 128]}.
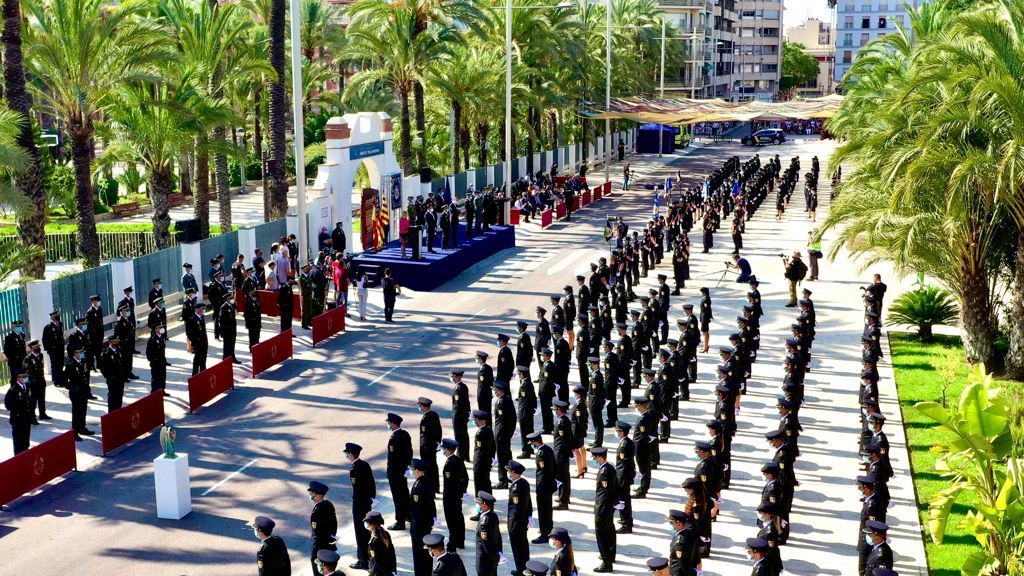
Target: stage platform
{"type": "Point", "coordinates": [433, 270]}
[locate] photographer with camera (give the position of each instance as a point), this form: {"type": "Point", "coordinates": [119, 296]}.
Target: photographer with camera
{"type": "Point", "coordinates": [739, 263]}
{"type": "Point", "coordinates": [795, 272]}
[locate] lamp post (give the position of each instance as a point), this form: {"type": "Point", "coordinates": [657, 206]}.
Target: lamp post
{"type": "Point", "coordinates": [298, 136]}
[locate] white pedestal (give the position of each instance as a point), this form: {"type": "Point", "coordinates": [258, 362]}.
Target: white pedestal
{"type": "Point", "coordinates": [173, 489]}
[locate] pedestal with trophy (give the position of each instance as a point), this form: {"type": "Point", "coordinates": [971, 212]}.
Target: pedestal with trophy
{"type": "Point", "coordinates": [170, 474]}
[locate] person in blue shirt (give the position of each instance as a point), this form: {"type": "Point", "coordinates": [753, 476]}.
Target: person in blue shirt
{"type": "Point", "coordinates": [739, 263]}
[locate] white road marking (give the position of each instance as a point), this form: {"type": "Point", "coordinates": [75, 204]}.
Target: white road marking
{"type": "Point", "coordinates": [229, 477]}
{"type": "Point", "coordinates": [477, 314]}
{"type": "Point", "coordinates": [382, 376]}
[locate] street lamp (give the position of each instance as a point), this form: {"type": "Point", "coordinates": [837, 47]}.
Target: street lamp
{"type": "Point", "coordinates": [299, 137]}
{"type": "Point", "coordinates": [506, 205]}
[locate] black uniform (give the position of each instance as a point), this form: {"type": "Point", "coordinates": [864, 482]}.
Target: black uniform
{"type": "Point", "coordinates": [606, 494]}
{"type": "Point", "coordinates": [642, 435]}
{"type": "Point", "coordinates": [563, 446]}
{"type": "Point", "coordinates": [484, 394]}
{"type": "Point", "coordinates": [456, 483]}
{"type": "Point", "coordinates": [423, 514]}
{"type": "Point", "coordinates": [36, 384]}
{"type": "Point", "coordinates": [682, 557]}
{"type": "Point", "coordinates": [488, 544]}
{"type": "Point", "coordinates": [872, 508]}
{"type": "Point", "coordinates": [53, 344]}
{"type": "Point", "coordinates": [253, 319]}
{"type": "Point", "coordinates": [383, 561]}
{"type": "Point", "coordinates": [504, 429]}
{"type": "Point", "coordinates": [228, 328]}
{"type": "Point", "coordinates": [625, 471]}
{"type": "Point", "coordinates": [94, 329]}
{"type": "Point", "coordinates": [124, 329]}
{"type": "Point", "coordinates": [430, 437]}
{"type": "Point", "coordinates": [524, 350]}
{"type": "Point", "coordinates": [76, 374]}
{"type": "Point", "coordinates": [526, 405]}
{"type": "Point", "coordinates": [460, 418]}
{"type": "Point", "coordinates": [546, 382]}
{"type": "Point", "coordinates": [483, 455]}
{"type": "Point", "coordinates": [113, 370]}
{"type": "Point", "coordinates": [595, 404]}
{"type": "Point", "coordinates": [18, 402]}
{"type": "Point", "coordinates": [156, 353]}
{"type": "Point", "coordinates": [506, 364]}
{"type": "Point", "coordinates": [286, 305]}
{"type": "Point", "coordinates": [323, 524]}
{"type": "Point", "coordinates": [364, 490]}
{"type": "Point", "coordinates": [520, 509]}
{"type": "Point", "coordinates": [195, 331]}
{"type": "Point", "coordinates": [272, 558]}
{"type": "Point", "coordinates": [399, 458]}
{"type": "Point", "coordinates": [128, 346]}
{"type": "Point", "coordinates": [545, 483]}
{"type": "Point", "coordinates": [880, 556]}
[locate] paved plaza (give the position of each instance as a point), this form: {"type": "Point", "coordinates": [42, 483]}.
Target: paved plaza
{"type": "Point", "coordinates": [254, 451]}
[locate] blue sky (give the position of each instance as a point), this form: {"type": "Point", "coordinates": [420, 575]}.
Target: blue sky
{"type": "Point", "coordinates": [797, 11]}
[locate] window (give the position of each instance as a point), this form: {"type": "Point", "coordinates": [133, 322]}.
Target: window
{"type": "Point", "coordinates": [847, 57]}
{"type": "Point", "coordinates": [865, 7]}
{"type": "Point", "coordinates": [899, 20]}
{"type": "Point", "coordinates": [864, 38]}
{"type": "Point", "coordinates": [771, 15]}
{"type": "Point", "coordinates": [769, 32]}
{"type": "Point", "coordinates": [847, 39]}
{"type": "Point", "coordinates": [848, 23]}
{"type": "Point", "coordinates": [747, 33]}
{"type": "Point", "coordinates": [865, 22]}
{"type": "Point", "coordinates": [881, 22]}
{"type": "Point", "coordinates": [770, 68]}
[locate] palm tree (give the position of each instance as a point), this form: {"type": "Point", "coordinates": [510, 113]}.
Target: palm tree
{"type": "Point", "coordinates": [31, 229]}
{"type": "Point", "coordinates": [83, 52]}
{"type": "Point", "coordinates": [277, 111]}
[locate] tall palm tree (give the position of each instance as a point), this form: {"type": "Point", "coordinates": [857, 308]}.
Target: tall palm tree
{"type": "Point", "coordinates": [31, 229]}
{"type": "Point", "coordinates": [277, 111]}
{"type": "Point", "coordinates": [83, 52]}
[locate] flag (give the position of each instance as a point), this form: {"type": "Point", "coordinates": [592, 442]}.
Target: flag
{"type": "Point", "coordinates": [381, 220]}
{"type": "Point", "coordinates": [657, 200]}
{"type": "Point", "coordinates": [736, 189]}
{"type": "Point", "coordinates": [705, 191]}
{"type": "Point", "coordinates": [447, 194]}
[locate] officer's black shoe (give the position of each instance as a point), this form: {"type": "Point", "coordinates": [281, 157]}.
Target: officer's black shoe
{"type": "Point", "coordinates": [474, 518]}
{"type": "Point", "coordinates": [397, 526]}
{"type": "Point", "coordinates": [236, 361]}
{"type": "Point", "coordinates": [525, 454]}
{"type": "Point", "coordinates": [358, 566]}
{"type": "Point", "coordinates": [46, 417]}
{"type": "Point", "coordinates": [609, 424]}
{"type": "Point", "coordinates": [86, 432]}
{"type": "Point", "coordinates": [603, 568]}
{"type": "Point", "coordinates": [502, 486]}
{"type": "Point", "coordinates": [78, 438]}
{"type": "Point", "coordinates": [639, 495]}
{"type": "Point", "coordinates": [562, 507]}
{"type": "Point", "coordinates": [540, 539]}
{"type": "Point", "coordinates": [35, 422]}
{"type": "Point", "coordinates": [93, 397]}
{"type": "Point", "coordinates": [624, 530]}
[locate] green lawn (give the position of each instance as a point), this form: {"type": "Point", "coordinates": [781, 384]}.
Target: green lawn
{"type": "Point", "coordinates": [917, 380]}
{"type": "Point", "coordinates": [8, 228]}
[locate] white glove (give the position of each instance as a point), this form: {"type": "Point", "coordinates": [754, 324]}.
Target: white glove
{"type": "Point", "coordinates": [494, 462]}
{"type": "Point", "coordinates": [652, 438]}
{"type": "Point", "coordinates": [536, 412]}
{"type": "Point", "coordinates": [437, 523]}
{"type": "Point", "coordinates": [664, 418]}
{"type": "Point", "coordinates": [606, 403]}
{"type": "Point", "coordinates": [501, 558]}
{"type": "Point", "coordinates": [532, 522]}
{"type": "Point", "coordinates": [621, 381]}
{"type": "Point", "coordinates": [638, 477]}
{"type": "Point", "coordinates": [705, 540]}
{"type": "Point", "coordinates": [677, 396]}
{"type": "Point", "coordinates": [632, 362]}
{"type": "Point", "coordinates": [725, 467]}
{"type": "Point", "coordinates": [558, 484]}
{"type": "Point", "coordinates": [557, 388]}
{"type": "Point", "coordinates": [646, 348]}
{"type": "Point", "coordinates": [466, 496]}
{"type": "Point", "coordinates": [620, 505]}
{"type": "Point", "coordinates": [374, 503]}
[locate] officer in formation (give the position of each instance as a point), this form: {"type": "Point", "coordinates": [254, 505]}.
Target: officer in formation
{"type": "Point", "coordinates": [76, 377]}
{"type": "Point", "coordinates": [430, 440]}
{"type": "Point", "coordinates": [520, 511]}
{"type": "Point", "coordinates": [156, 353]}
{"type": "Point", "coordinates": [53, 344]}
{"type": "Point", "coordinates": [253, 313]}
{"type": "Point", "coordinates": [399, 459]}
{"type": "Point", "coordinates": [226, 325]}
{"type": "Point", "coordinates": [286, 304]}
{"type": "Point", "coordinates": [196, 337]}
{"type": "Point", "coordinates": [460, 413]}
{"type": "Point", "coordinates": [383, 560]}
{"type": "Point", "coordinates": [454, 490]}
{"type": "Point", "coordinates": [423, 517]}
{"type": "Point", "coordinates": [18, 402]}
{"type": "Point", "coordinates": [323, 522]}
{"type": "Point", "coordinates": [364, 492]}
{"type": "Point", "coordinates": [272, 557]}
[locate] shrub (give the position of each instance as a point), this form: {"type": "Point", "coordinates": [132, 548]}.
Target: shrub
{"type": "Point", "coordinates": [107, 189]}
{"type": "Point", "coordinates": [924, 307]}
{"type": "Point", "coordinates": [60, 186]}
{"type": "Point", "coordinates": [252, 170]}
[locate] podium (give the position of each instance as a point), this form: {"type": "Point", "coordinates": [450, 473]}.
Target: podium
{"type": "Point", "coordinates": [416, 239]}
{"type": "Point", "coordinates": [173, 488]}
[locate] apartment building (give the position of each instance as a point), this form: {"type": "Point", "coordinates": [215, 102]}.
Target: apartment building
{"type": "Point", "coordinates": [860, 21]}
{"type": "Point", "coordinates": [816, 37]}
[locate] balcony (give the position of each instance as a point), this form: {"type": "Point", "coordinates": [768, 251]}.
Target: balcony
{"type": "Point", "coordinates": [693, 4]}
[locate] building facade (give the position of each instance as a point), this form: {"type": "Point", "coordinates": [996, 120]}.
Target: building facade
{"type": "Point", "coordinates": [860, 21]}
{"type": "Point", "coordinates": [816, 37]}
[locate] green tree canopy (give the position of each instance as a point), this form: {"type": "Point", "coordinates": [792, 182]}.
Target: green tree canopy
{"type": "Point", "coordinates": [798, 67]}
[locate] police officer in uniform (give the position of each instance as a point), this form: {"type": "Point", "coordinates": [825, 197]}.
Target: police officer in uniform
{"type": "Point", "coordinates": [156, 353]}
{"type": "Point", "coordinates": [36, 381]}
{"type": "Point", "coordinates": [596, 400]}
{"type": "Point", "coordinates": [326, 562]}
{"type": "Point", "coordinates": [455, 486]}
{"type": "Point", "coordinates": [399, 458]}
{"type": "Point", "coordinates": [383, 561]}
{"type": "Point", "coordinates": [198, 344]}
{"type": "Point", "coordinates": [545, 484]}
{"type": "Point", "coordinates": [306, 296]}
{"type": "Point", "coordinates": [546, 390]}
{"type": "Point", "coordinates": [286, 304]}
{"type": "Point", "coordinates": [188, 280]}
{"type": "Point", "coordinates": [504, 429]}
{"type": "Point", "coordinates": [524, 346]}
{"type": "Point", "coordinates": [872, 508]}
{"type": "Point", "coordinates": [563, 446]}
{"type": "Point", "coordinates": [112, 368]}
{"type": "Point", "coordinates": [625, 470]}
{"type": "Point", "coordinates": [157, 314]}
{"type": "Point", "coordinates": [460, 412]}
{"type": "Point", "coordinates": [446, 563]}
{"type": "Point", "coordinates": [483, 453]}
{"type": "Point", "coordinates": [542, 334]}
{"type": "Point", "coordinates": [18, 402]}
{"type": "Point", "coordinates": [757, 549]}
{"type": "Point", "coordinates": [227, 320]}
{"type": "Point", "coordinates": [253, 317]}
{"type": "Point", "coordinates": [53, 344]}
{"type": "Point", "coordinates": [94, 328]}
{"type": "Point", "coordinates": [606, 495]}
{"type": "Point", "coordinates": [526, 406]}
{"type": "Point", "coordinates": [488, 536]}
{"type": "Point", "coordinates": [506, 362]}
{"type": "Point", "coordinates": [364, 490]}
{"type": "Point", "coordinates": [323, 521]}
{"type": "Point", "coordinates": [643, 435]}
{"type": "Point", "coordinates": [430, 438]}
{"type": "Point", "coordinates": [272, 557]}
{"type": "Point", "coordinates": [124, 329]}
{"type": "Point", "coordinates": [484, 384]}
{"type": "Point", "coordinates": [682, 552]}
{"type": "Point", "coordinates": [880, 554]}
{"type": "Point", "coordinates": [520, 510]}
{"type": "Point", "coordinates": [424, 513]}
{"type": "Point", "coordinates": [155, 292]}
{"type": "Point", "coordinates": [76, 374]}
{"type": "Point", "coordinates": [129, 302]}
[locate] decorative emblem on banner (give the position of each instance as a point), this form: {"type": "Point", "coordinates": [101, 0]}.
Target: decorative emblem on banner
{"type": "Point", "coordinates": [38, 466]}
{"type": "Point", "coordinates": [213, 381]}
{"type": "Point", "coordinates": [273, 351]}
{"type": "Point", "coordinates": [136, 420]}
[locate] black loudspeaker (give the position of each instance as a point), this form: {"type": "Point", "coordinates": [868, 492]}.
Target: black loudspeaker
{"type": "Point", "coordinates": [425, 176]}
{"type": "Point", "coordinates": [187, 231]}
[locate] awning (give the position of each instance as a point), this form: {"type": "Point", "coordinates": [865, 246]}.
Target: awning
{"type": "Point", "coordinates": [689, 111]}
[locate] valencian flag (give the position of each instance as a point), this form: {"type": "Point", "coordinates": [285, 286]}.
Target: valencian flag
{"type": "Point", "coordinates": [381, 220]}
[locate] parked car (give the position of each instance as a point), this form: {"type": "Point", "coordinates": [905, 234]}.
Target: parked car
{"type": "Point", "coordinates": [766, 136]}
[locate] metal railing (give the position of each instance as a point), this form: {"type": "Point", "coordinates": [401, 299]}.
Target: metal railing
{"type": "Point", "coordinates": [63, 246]}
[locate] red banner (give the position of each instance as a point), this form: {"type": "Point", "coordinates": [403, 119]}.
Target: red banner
{"type": "Point", "coordinates": [126, 424]}
{"type": "Point", "coordinates": [607, 188]}
{"type": "Point", "coordinates": [273, 351]}
{"type": "Point", "coordinates": [560, 180]}
{"type": "Point", "coordinates": [206, 385]}
{"type": "Point", "coordinates": [546, 217]}
{"type": "Point", "coordinates": [37, 466]}
{"type": "Point", "coordinates": [597, 193]}
{"type": "Point", "coordinates": [576, 203]}
{"type": "Point", "coordinates": [560, 210]}
{"type": "Point", "coordinates": [586, 198]}
{"type": "Point", "coordinates": [514, 216]}
{"type": "Point", "coordinates": [328, 324]}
